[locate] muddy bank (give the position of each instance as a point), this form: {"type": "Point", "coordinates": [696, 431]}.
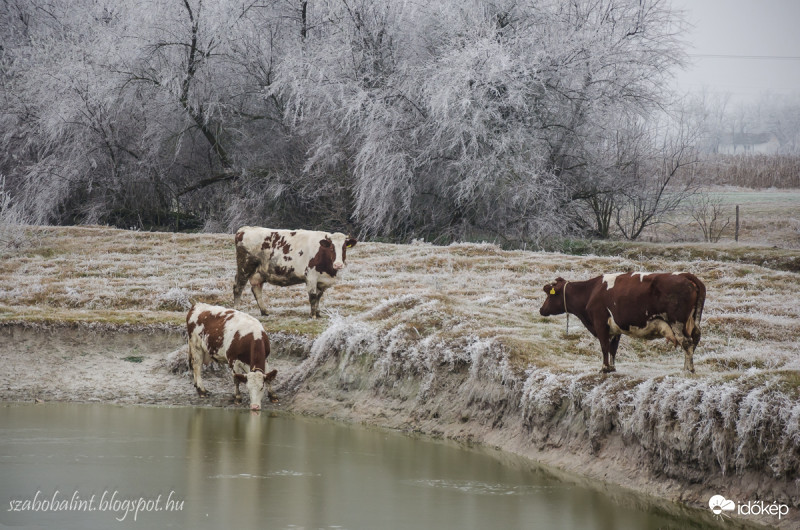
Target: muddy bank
{"type": "Point", "coordinates": [133, 365]}
{"type": "Point", "coordinates": [616, 429]}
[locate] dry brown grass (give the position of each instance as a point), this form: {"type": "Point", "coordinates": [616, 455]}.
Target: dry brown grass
{"type": "Point", "coordinates": [116, 277]}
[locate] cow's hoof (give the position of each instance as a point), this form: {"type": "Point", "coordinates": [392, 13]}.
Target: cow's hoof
{"type": "Point", "coordinates": [607, 369]}
{"type": "Point", "coordinates": [203, 393]}
{"type": "Point", "coordinates": [237, 400]}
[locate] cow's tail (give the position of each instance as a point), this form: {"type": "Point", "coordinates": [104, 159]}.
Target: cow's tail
{"type": "Point", "coordinates": [701, 296]}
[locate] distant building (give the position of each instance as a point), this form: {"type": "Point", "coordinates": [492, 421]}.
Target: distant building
{"type": "Point", "coordinates": [749, 143]}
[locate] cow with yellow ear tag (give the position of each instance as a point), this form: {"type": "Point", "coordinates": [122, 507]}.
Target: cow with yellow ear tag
{"type": "Point", "coordinates": [645, 305]}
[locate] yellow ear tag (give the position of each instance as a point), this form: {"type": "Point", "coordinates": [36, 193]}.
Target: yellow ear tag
{"type": "Point", "coordinates": [552, 291]}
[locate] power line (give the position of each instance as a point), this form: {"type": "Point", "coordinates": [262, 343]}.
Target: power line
{"type": "Point", "coordinates": [732, 56]}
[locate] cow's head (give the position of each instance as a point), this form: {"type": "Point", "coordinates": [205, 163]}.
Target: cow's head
{"type": "Point", "coordinates": [333, 252]}
{"type": "Point", "coordinates": [257, 383]}
{"type": "Point", "coordinates": [554, 303]}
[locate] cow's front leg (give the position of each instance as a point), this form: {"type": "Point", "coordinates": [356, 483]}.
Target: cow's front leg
{"type": "Point", "coordinates": [238, 367]}
{"type": "Point", "coordinates": [196, 364]}
{"type": "Point", "coordinates": [237, 395]}
{"type": "Point", "coordinates": [314, 294]}
{"type": "Point", "coordinates": [256, 285]}
{"type": "Point", "coordinates": [313, 300]}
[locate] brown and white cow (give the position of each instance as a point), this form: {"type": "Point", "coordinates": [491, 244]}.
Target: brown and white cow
{"type": "Point", "coordinates": [288, 257]}
{"type": "Point", "coordinates": [229, 336]}
{"type": "Point", "coordinates": [639, 304]}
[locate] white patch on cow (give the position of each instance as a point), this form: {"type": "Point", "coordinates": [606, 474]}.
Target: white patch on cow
{"type": "Point", "coordinates": [256, 383]}
{"type": "Point", "coordinates": [289, 264]}
{"type": "Point", "coordinates": [236, 323]}
{"type": "Point", "coordinates": [338, 240]}
{"type": "Point", "coordinates": [678, 273]}
{"type": "Point", "coordinates": [253, 237]}
{"type": "Point", "coordinates": [242, 323]}
{"type": "Point", "coordinates": [612, 324]}
{"type": "Point", "coordinates": [303, 247]}
{"type": "Point", "coordinates": [609, 280]}
{"type": "Point", "coordinates": [641, 275]}
{"type": "Point", "coordinates": [256, 387]}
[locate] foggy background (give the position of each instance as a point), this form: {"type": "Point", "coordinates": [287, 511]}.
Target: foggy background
{"type": "Point", "coordinates": [744, 48]}
{"type": "Point", "coordinates": [524, 123]}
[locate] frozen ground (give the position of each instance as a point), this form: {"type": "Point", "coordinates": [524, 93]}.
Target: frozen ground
{"type": "Point", "coordinates": [447, 295]}
{"type": "Point", "coordinates": [447, 341]}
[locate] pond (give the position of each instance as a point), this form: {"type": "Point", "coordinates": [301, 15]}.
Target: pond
{"type": "Point", "coordinates": [105, 466]}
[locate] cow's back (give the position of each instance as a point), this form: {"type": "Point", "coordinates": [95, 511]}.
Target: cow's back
{"type": "Point", "coordinates": [635, 298]}
{"type": "Point", "coordinates": [251, 348]}
{"type": "Point", "coordinates": [282, 255]}
{"type": "Point", "coordinates": [218, 329]}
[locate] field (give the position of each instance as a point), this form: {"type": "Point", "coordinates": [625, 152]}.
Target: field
{"type": "Point", "coordinates": [766, 217]}
{"type": "Point", "coordinates": [448, 341]}
{"type": "Point", "coordinates": [448, 295]}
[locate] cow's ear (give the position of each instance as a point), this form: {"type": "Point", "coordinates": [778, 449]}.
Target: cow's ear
{"type": "Point", "coordinates": [547, 288]}
{"type": "Point", "coordinates": [350, 242]}
{"type": "Point", "coordinates": [560, 279]}
{"type": "Point", "coordinates": [325, 243]}
{"type": "Point", "coordinates": [270, 376]}
{"type": "Point", "coordinates": [240, 378]}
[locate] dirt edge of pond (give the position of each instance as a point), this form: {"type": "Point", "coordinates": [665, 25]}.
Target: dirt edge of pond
{"type": "Point", "coordinates": [456, 401]}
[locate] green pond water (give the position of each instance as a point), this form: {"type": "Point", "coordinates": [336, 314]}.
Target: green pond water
{"type": "Point", "coordinates": [103, 466]}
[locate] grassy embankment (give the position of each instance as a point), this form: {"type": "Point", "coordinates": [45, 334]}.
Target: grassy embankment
{"type": "Point", "coordinates": [111, 278]}
{"type": "Point", "coordinates": [449, 341]}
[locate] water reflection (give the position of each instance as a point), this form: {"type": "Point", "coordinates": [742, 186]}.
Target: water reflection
{"type": "Point", "coordinates": [267, 470]}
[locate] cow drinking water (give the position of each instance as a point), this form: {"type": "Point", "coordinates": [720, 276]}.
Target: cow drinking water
{"type": "Point", "coordinates": [229, 336]}
{"type": "Point", "coordinates": [639, 304]}
{"type": "Point", "coordinates": [288, 257]}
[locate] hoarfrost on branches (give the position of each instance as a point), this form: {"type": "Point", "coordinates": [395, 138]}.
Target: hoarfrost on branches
{"type": "Point", "coordinates": [448, 121]}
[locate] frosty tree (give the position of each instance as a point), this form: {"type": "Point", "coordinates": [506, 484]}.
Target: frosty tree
{"type": "Point", "coordinates": [398, 119]}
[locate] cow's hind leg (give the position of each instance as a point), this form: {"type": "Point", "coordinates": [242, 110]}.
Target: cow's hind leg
{"type": "Point", "coordinates": [612, 350]}
{"type": "Point", "coordinates": [257, 285]}
{"type": "Point", "coordinates": [689, 344]}
{"type": "Point", "coordinates": [688, 356]}
{"type": "Point", "coordinates": [246, 266]}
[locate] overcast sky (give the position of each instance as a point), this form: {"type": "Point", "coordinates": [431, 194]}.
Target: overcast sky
{"type": "Point", "coordinates": [742, 47]}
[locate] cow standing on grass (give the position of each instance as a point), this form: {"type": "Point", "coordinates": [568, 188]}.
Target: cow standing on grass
{"type": "Point", "coordinates": [639, 304]}
{"type": "Point", "coordinates": [232, 337]}
{"type": "Point", "coordinates": [288, 257]}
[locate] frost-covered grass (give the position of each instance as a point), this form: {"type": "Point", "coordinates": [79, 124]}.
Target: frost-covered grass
{"type": "Point", "coordinates": [413, 312]}
{"type": "Point", "coordinates": [413, 293]}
